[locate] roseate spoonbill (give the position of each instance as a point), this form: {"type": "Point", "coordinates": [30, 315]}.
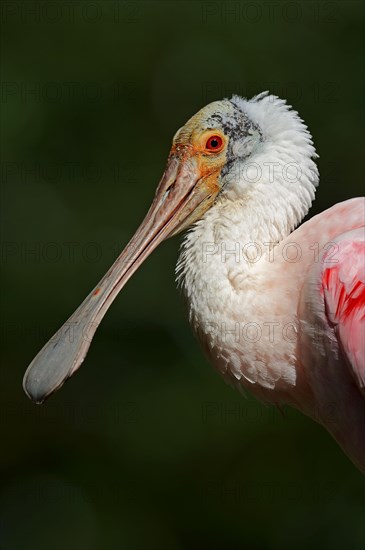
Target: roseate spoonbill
{"type": "Point", "coordinates": [278, 312]}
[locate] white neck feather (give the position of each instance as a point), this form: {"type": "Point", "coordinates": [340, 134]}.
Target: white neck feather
{"type": "Point", "coordinates": [261, 202]}
{"type": "Point", "coordinates": [266, 195]}
{"type": "Point", "coordinates": [280, 176]}
{"type": "Point", "coordinates": [263, 198]}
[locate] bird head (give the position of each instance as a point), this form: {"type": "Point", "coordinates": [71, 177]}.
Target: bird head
{"type": "Point", "coordinates": [202, 158]}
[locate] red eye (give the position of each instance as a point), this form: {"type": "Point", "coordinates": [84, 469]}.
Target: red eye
{"type": "Point", "coordinates": [214, 143]}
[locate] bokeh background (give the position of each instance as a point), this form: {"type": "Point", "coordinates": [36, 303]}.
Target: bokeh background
{"type": "Point", "coordinates": [147, 448]}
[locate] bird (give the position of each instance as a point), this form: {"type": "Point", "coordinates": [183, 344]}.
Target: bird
{"type": "Point", "coordinates": [279, 310]}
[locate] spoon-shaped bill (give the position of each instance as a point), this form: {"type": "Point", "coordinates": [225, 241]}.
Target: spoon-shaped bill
{"type": "Point", "coordinates": [177, 197]}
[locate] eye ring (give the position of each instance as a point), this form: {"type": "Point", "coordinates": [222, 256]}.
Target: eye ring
{"type": "Point", "coordinates": [214, 143]}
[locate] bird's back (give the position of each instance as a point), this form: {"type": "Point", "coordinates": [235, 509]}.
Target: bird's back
{"type": "Point", "coordinates": [332, 319]}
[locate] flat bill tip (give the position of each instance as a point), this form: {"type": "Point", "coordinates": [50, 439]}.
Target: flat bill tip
{"type": "Point", "coordinates": [55, 363]}
{"type": "Point", "coordinates": [36, 398]}
{"type": "Point", "coordinates": [38, 387]}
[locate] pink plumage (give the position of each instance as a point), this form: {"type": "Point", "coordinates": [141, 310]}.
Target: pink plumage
{"type": "Point", "coordinates": [344, 293]}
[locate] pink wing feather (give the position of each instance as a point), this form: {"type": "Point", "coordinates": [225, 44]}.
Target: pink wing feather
{"type": "Point", "coordinates": [343, 283]}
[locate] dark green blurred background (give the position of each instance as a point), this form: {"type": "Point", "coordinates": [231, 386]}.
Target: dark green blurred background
{"type": "Point", "coordinates": [146, 447]}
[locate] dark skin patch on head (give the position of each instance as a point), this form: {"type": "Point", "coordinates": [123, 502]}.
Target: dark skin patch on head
{"type": "Point", "coordinates": [237, 127]}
